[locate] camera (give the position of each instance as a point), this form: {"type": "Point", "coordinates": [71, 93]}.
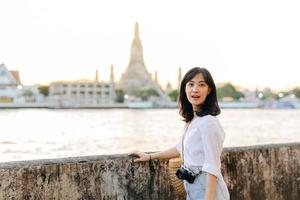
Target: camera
{"type": "Point", "coordinates": [184, 173]}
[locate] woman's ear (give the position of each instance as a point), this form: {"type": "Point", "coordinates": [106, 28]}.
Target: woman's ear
{"type": "Point", "coordinates": [209, 90]}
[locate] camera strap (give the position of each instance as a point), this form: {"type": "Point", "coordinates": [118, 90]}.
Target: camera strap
{"type": "Point", "coordinates": [182, 148]}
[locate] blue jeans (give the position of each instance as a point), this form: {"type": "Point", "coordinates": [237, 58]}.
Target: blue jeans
{"type": "Point", "coordinates": [196, 190]}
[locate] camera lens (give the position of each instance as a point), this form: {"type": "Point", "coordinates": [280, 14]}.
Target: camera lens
{"type": "Point", "coordinates": [179, 174]}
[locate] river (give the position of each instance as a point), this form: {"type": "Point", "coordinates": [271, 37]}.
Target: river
{"type": "Point", "coordinates": [48, 133]}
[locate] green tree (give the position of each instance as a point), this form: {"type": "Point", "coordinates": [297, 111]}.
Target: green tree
{"type": "Point", "coordinates": [296, 92]}
{"type": "Point", "coordinates": [228, 90]}
{"type": "Point", "coordinates": [44, 90]}
{"type": "Point", "coordinates": [120, 96]}
{"type": "Point", "coordinates": [144, 94]}
{"type": "Point", "coordinates": [27, 93]}
{"type": "Point", "coordinates": [267, 94]}
{"type": "Point", "coordinates": [173, 95]}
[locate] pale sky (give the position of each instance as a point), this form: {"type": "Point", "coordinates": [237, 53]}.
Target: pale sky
{"type": "Point", "coordinates": [249, 43]}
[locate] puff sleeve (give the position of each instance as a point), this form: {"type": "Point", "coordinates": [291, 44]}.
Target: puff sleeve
{"type": "Point", "coordinates": [178, 147]}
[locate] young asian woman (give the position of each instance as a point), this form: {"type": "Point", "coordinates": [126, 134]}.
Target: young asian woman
{"type": "Point", "coordinates": [201, 145]}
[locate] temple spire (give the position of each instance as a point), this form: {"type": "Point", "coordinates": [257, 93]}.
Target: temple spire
{"type": "Point", "coordinates": [96, 76]}
{"type": "Point", "coordinates": [136, 31]}
{"type": "Point", "coordinates": [112, 75]}
{"type": "Point", "coordinates": [156, 76]}
{"type": "Point", "coordinates": [179, 78]}
{"type": "Point", "coordinates": [136, 53]}
{"type": "Point", "coordinates": [136, 76]}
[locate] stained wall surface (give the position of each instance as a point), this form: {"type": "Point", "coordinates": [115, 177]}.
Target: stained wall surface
{"type": "Point", "coordinates": [257, 172]}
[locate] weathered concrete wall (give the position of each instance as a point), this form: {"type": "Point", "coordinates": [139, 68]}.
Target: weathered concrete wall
{"type": "Point", "coordinates": [86, 178]}
{"type": "Point", "coordinates": [269, 172]}
{"type": "Point", "coordinates": [259, 172]}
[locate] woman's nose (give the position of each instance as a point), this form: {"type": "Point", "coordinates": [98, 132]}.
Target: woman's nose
{"type": "Point", "coordinates": [195, 89]}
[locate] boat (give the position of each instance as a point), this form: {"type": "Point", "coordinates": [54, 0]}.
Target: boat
{"type": "Point", "coordinates": [237, 104]}
{"type": "Point", "coordinates": [140, 104]}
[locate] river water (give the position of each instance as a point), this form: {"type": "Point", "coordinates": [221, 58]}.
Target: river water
{"type": "Point", "coordinates": [27, 134]}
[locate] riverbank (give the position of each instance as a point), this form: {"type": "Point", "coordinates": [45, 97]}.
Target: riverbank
{"type": "Point", "coordinates": [149, 105]}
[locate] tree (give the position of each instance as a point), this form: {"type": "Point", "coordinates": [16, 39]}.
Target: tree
{"type": "Point", "coordinates": [173, 95]}
{"type": "Point", "coordinates": [144, 94]}
{"type": "Point", "coordinates": [27, 93]}
{"type": "Point", "coordinates": [44, 90]}
{"type": "Point", "coordinates": [228, 90]}
{"type": "Point", "coordinates": [267, 94]}
{"type": "Point", "coordinates": [296, 92]}
{"type": "Point", "coordinates": [120, 96]}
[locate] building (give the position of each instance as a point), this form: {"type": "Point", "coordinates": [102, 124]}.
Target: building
{"type": "Point", "coordinates": [82, 92]}
{"type": "Point", "coordinates": [10, 85]}
{"type": "Point", "coordinates": [136, 76]}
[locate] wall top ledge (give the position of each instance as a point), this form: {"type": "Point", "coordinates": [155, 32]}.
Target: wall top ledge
{"type": "Point", "coordinates": [60, 161]}
{"type": "Point", "coordinates": [261, 146]}
{"type": "Point", "coordinates": [95, 158]}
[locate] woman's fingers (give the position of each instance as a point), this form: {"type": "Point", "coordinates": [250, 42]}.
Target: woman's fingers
{"type": "Point", "coordinates": [141, 159]}
{"type": "Point", "coordinates": [134, 153]}
{"type": "Point", "coordinates": [141, 156]}
{"type": "Point", "coordinates": [137, 160]}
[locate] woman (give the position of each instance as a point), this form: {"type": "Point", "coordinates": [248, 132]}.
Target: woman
{"type": "Point", "coordinates": [201, 145]}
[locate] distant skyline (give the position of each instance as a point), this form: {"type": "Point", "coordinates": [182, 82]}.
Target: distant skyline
{"type": "Point", "coordinates": [250, 44]}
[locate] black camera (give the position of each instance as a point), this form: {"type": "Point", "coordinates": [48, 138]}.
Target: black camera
{"type": "Point", "coordinates": [184, 173]}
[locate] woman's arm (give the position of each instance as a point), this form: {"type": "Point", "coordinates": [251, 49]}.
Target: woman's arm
{"type": "Point", "coordinates": [212, 145]}
{"type": "Point", "coordinates": [211, 185]}
{"type": "Point", "coordinates": [167, 154]}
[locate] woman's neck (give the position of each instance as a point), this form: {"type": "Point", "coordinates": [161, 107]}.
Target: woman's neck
{"type": "Point", "coordinates": [195, 111]}
{"type": "Point", "coordinates": [195, 114]}
{"type": "Point", "coordinates": [196, 108]}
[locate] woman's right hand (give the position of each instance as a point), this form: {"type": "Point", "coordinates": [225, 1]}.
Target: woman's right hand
{"type": "Point", "coordinates": [142, 157]}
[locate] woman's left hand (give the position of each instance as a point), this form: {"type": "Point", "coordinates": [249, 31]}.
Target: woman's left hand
{"type": "Point", "coordinates": [142, 157]}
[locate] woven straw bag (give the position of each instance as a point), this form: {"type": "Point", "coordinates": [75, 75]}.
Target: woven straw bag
{"type": "Point", "coordinates": [176, 183]}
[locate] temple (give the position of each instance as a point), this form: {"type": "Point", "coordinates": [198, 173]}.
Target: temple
{"type": "Point", "coordinates": [136, 76]}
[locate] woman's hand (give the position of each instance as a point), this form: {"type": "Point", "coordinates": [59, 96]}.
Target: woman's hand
{"type": "Point", "coordinates": [142, 157]}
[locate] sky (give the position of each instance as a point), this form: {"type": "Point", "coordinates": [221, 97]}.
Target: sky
{"type": "Point", "coordinates": [252, 44]}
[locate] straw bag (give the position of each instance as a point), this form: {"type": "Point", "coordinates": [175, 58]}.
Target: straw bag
{"type": "Point", "coordinates": [174, 165]}
{"type": "Point", "coordinates": [176, 183]}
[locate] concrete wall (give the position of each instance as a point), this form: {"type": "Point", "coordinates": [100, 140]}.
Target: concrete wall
{"type": "Point", "coordinates": [263, 172]}
{"type": "Point", "coordinates": [258, 172]}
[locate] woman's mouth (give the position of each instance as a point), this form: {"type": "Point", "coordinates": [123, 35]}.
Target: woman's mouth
{"type": "Point", "coordinates": [195, 97]}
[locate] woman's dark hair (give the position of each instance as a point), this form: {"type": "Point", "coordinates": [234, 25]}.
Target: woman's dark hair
{"type": "Point", "coordinates": [210, 105]}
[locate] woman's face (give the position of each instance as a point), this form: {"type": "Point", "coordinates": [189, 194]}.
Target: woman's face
{"type": "Point", "coordinates": [196, 91]}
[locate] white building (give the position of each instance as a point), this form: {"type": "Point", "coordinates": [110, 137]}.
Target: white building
{"type": "Point", "coordinates": [10, 85]}
{"type": "Point", "coordinates": [82, 92]}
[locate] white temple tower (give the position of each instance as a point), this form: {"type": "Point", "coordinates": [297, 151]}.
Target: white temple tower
{"type": "Point", "coordinates": [136, 76]}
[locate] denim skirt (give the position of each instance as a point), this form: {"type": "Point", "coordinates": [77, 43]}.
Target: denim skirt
{"type": "Point", "coordinates": [196, 190]}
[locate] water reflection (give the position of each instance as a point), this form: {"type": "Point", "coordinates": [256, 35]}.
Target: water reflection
{"type": "Point", "coordinates": [42, 133]}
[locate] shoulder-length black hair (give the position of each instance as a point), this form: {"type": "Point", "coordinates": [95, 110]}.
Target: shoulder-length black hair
{"type": "Point", "coordinates": [210, 105]}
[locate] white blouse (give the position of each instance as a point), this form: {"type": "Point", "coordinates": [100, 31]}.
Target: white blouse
{"type": "Point", "coordinates": [203, 143]}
